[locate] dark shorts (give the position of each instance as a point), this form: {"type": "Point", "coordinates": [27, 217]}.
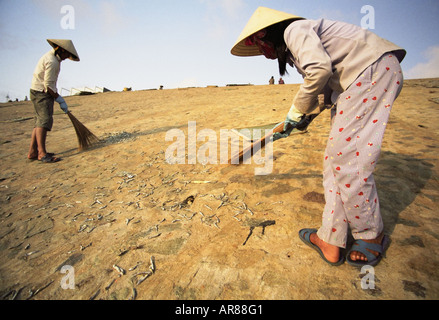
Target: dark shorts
{"type": "Point", "coordinates": [43, 104]}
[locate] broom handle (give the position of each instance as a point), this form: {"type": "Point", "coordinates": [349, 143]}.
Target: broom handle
{"type": "Point", "coordinates": [260, 143]}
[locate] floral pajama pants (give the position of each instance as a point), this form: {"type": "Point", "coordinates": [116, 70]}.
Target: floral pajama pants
{"type": "Point", "coordinates": [352, 152]}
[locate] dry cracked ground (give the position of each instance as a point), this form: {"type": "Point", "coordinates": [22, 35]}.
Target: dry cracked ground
{"type": "Point", "coordinates": [132, 226]}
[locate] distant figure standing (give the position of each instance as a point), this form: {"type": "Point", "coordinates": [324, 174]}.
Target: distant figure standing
{"type": "Point", "coordinates": [281, 81]}
{"type": "Point", "coordinates": [271, 80]}
{"type": "Point", "coordinates": [43, 94]}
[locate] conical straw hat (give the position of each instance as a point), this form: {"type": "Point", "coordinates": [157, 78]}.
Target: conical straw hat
{"type": "Point", "coordinates": [261, 19]}
{"type": "Point", "coordinates": [66, 45]}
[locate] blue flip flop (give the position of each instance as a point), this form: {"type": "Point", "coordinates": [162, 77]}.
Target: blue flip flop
{"type": "Point", "coordinates": [364, 247]}
{"type": "Point", "coordinates": [305, 234]}
{"type": "Point", "coordinates": [36, 159]}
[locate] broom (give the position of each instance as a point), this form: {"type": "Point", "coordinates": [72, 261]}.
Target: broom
{"type": "Point", "coordinates": [85, 137]}
{"type": "Point", "coordinates": [260, 144]}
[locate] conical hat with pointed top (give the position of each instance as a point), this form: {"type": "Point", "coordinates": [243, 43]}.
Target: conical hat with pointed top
{"type": "Point", "coordinates": [261, 19]}
{"type": "Point", "coordinates": [66, 45]}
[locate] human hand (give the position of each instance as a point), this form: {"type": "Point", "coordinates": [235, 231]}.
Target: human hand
{"type": "Point", "coordinates": [294, 119]}
{"type": "Point", "coordinates": [62, 104]}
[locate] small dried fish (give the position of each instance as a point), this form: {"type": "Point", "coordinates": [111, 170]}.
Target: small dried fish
{"type": "Point", "coordinates": [222, 204]}
{"type": "Point", "coordinates": [122, 252]}
{"type": "Point", "coordinates": [18, 245]}
{"type": "Point", "coordinates": [30, 253]}
{"type": "Point", "coordinates": [95, 295]}
{"type": "Point", "coordinates": [201, 182]}
{"type": "Point", "coordinates": [135, 267]}
{"type": "Point", "coordinates": [152, 266]}
{"type": "Point", "coordinates": [95, 201]}
{"type": "Point", "coordinates": [85, 247]}
{"type": "Point", "coordinates": [148, 274]}
{"type": "Point", "coordinates": [190, 218]}
{"type": "Point", "coordinates": [109, 285]}
{"type": "Point", "coordinates": [120, 270]}
{"type": "Point", "coordinates": [15, 294]}
{"type": "Point", "coordinates": [134, 295]}
{"type": "Point", "coordinates": [34, 293]}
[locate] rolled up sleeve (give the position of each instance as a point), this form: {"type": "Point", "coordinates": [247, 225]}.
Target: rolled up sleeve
{"type": "Point", "coordinates": [310, 56]}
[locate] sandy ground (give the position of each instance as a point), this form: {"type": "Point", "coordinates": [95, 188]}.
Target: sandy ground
{"type": "Point", "coordinates": [121, 204]}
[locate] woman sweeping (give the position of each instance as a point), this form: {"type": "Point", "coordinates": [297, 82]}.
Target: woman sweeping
{"type": "Point", "coordinates": [360, 74]}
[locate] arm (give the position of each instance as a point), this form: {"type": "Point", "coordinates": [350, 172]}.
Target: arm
{"type": "Point", "coordinates": [59, 99]}
{"type": "Point", "coordinates": [55, 95]}
{"type": "Point", "coordinates": [308, 51]}
{"type": "Point", "coordinates": [51, 72]}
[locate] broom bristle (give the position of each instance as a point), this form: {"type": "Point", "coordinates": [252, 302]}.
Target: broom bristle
{"type": "Point", "coordinates": [85, 137]}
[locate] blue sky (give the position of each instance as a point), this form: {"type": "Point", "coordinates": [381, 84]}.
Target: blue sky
{"type": "Point", "coordinates": [145, 44]}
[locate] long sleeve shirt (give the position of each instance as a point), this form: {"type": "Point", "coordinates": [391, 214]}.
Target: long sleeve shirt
{"type": "Point", "coordinates": [46, 72]}
{"type": "Point", "coordinates": [331, 54]}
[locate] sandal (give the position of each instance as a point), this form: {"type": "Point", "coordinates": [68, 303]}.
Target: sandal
{"type": "Point", "coordinates": [49, 159]}
{"type": "Point", "coordinates": [363, 247]}
{"type": "Point", "coordinates": [305, 234]}
{"type": "Point", "coordinates": [36, 158]}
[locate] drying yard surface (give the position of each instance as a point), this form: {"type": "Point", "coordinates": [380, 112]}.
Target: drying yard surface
{"type": "Point", "coordinates": [131, 225]}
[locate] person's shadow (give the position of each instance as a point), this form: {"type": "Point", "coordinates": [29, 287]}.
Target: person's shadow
{"type": "Point", "coordinates": [400, 179]}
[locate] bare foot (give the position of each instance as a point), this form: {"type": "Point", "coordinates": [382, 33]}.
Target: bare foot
{"type": "Point", "coordinates": [36, 156]}
{"type": "Point", "coordinates": [332, 253]}
{"type": "Point", "coordinates": [32, 156]}
{"type": "Point", "coordinates": [358, 256]}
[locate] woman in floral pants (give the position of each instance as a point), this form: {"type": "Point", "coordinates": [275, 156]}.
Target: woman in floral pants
{"type": "Point", "coordinates": [354, 146]}
{"type": "Point", "coordinates": [360, 74]}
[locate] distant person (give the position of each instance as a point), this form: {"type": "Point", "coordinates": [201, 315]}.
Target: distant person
{"type": "Point", "coordinates": [271, 81]}
{"type": "Point", "coordinates": [281, 81]}
{"type": "Point", "coordinates": [360, 74]}
{"type": "Point", "coordinates": [43, 94]}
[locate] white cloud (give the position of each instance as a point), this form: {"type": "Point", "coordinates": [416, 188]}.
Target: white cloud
{"type": "Point", "coordinates": [53, 9]}
{"type": "Point", "coordinates": [110, 18]}
{"type": "Point", "coordinates": [331, 14]}
{"type": "Point", "coordinates": [105, 14]}
{"type": "Point", "coordinates": [220, 14]}
{"type": "Point", "coordinates": [231, 8]}
{"type": "Point", "coordinates": [429, 69]}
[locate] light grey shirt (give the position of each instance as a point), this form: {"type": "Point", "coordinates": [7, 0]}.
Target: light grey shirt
{"type": "Point", "coordinates": [331, 54]}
